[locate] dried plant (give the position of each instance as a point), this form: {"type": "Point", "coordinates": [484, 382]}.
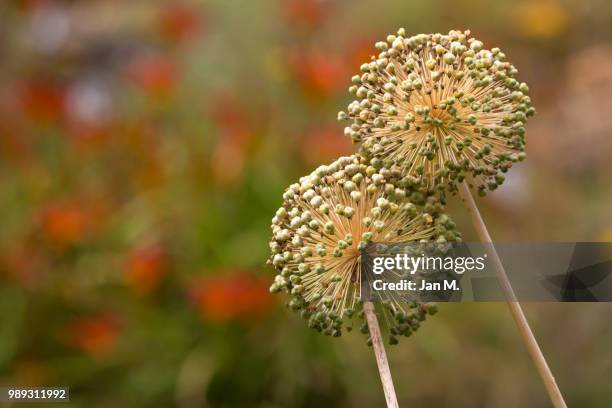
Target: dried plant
{"type": "Point", "coordinates": [440, 107]}
{"type": "Point", "coordinates": [324, 222]}
{"type": "Point", "coordinates": [434, 114]}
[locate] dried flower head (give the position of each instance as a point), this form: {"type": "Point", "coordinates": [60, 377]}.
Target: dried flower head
{"type": "Point", "coordinates": [324, 222]}
{"type": "Point", "coordinates": [441, 107]}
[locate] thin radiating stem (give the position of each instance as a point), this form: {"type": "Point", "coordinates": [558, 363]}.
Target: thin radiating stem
{"type": "Point", "coordinates": [381, 356]}
{"type": "Point", "coordinates": [515, 307]}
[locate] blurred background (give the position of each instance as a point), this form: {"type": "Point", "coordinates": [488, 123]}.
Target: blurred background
{"type": "Point", "coordinates": [145, 145]}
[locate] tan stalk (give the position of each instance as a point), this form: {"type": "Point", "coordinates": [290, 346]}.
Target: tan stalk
{"type": "Point", "coordinates": [515, 307]}
{"type": "Point", "coordinates": [381, 355]}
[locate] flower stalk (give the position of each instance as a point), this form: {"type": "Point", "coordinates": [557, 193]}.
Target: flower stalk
{"type": "Point", "coordinates": [381, 356]}
{"type": "Point", "coordinates": [515, 307]}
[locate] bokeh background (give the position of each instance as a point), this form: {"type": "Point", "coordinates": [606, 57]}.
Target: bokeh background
{"type": "Point", "coordinates": [144, 146]}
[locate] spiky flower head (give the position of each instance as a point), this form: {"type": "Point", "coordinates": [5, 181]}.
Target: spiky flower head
{"type": "Point", "coordinates": [441, 107]}
{"type": "Point", "coordinates": [324, 222]}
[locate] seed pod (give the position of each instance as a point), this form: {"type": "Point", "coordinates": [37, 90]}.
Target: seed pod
{"type": "Point", "coordinates": [442, 91]}
{"type": "Point", "coordinates": [317, 253]}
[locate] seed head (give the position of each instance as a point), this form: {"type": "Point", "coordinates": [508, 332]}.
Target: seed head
{"type": "Point", "coordinates": [440, 107]}
{"type": "Point", "coordinates": [324, 222]}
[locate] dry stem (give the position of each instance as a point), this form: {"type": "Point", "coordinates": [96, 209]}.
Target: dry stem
{"type": "Point", "coordinates": [515, 307]}
{"type": "Point", "coordinates": [381, 356]}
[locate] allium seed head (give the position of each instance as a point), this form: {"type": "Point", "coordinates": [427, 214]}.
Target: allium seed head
{"type": "Point", "coordinates": [321, 228]}
{"type": "Point", "coordinates": [441, 107]}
